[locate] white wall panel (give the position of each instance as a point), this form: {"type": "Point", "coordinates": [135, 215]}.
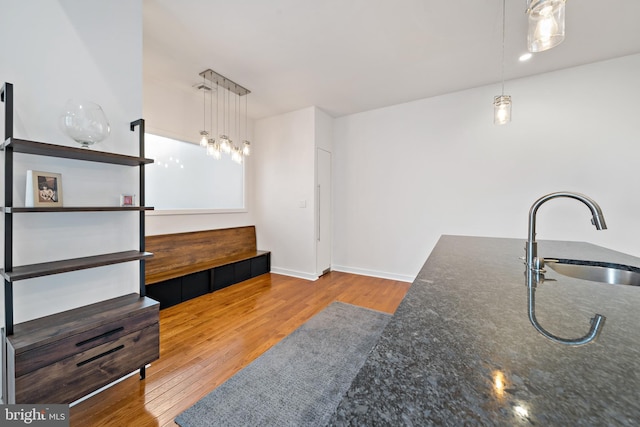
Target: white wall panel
{"type": "Point", "coordinates": [285, 191]}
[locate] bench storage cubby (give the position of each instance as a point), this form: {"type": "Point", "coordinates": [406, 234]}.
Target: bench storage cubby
{"type": "Point", "coordinates": [188, 265]}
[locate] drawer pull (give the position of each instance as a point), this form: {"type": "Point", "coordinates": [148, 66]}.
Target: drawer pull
{"type": "Point", "coordinates": [106, 353]}
{"type": "Point", "coordinates": [106, 334]}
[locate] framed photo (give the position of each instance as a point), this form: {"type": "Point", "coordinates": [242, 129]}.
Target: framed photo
{"type": "Point", "coordinates": [127, 200]}
{"type": "Point", "coordinates": [44, 189]}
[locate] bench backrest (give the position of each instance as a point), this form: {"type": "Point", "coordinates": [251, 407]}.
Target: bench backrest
{"type": "Point", "coordinates": [182, 251]}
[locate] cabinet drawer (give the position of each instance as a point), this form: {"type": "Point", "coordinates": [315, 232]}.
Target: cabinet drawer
{"type": "Point", "coordinates": [82, 373]}
{"type": "Point", "coordinates": [46, 355]}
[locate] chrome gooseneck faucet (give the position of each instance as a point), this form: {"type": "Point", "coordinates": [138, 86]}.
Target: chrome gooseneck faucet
{"type": "Point", "coordinates": [535, 265]}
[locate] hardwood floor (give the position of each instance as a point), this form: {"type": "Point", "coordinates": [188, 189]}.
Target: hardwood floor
{"type": "Point", "coordinates": [206, 340]}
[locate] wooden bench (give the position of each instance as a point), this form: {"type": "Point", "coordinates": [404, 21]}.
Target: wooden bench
{"type": "Point", "coordinates": [187, 265]}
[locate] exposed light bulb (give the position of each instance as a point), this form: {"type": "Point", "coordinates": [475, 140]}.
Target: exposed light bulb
{"type": "Point", "coordinates": [246, 148]}
{"type": "Point", "coordinates": [544, 32]}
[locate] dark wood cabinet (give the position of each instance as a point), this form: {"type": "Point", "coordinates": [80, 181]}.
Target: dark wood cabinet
{"type": "Point", "coordinates": [62, 357]}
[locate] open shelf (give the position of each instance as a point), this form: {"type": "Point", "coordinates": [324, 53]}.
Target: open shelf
{"type": "Point", "coordinates": [55, 267]}
{"type": "Point", "coordinates": [79, 209]}
{"type": "Point", "coordinates": [62, 151]}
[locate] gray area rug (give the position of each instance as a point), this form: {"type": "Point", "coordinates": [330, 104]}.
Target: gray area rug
{"type": "Point", "coordinates": [299, 381]}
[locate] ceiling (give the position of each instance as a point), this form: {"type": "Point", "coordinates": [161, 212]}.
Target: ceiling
{"type": "Point", "coordinates": [348, 56]}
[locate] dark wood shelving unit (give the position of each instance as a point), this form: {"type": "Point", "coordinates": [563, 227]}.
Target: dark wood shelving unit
{"type": "Point", "coordinates": [116, 336]}
{"type": "Point", "coordinates": [62, 151]}
{"type": "Point", "coordinates": [56, 267]}
{"type": "Point", "coordinates": [12, 146]}
{"type": "Point", "coordinates": [78, 209]}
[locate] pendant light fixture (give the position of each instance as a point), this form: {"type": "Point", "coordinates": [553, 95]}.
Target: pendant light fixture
{"type": "Point", "coordinates": [203, 132]}
{"type": "Point", "coordinates": [225, 141]}
{"type": "Point", "coordinates": [212, 145]}
{"type": "Point", "coordinates": [546, 24]}
{"type": "Point", "coordinates": [246, 144]}
{"type": "Point", "coordinates": [224, 126]}
{"type": "Point", "coordinates": [502, 103]}
{"type": "Point", "coordinates": [236, 152]}
{"type": "Point", "coordinates": [213, 149]}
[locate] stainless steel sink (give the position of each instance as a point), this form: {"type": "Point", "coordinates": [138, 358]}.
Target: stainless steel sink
{"type": "Point", "coordinates": [595, 271]}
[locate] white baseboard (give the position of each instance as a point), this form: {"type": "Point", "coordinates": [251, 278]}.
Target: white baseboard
{"type": "Point", "coordinates": [294, 273]}
{"type": "Point", "coordinates": [344, 269]}
{"type": "Point", "coordinates": [373, 273]}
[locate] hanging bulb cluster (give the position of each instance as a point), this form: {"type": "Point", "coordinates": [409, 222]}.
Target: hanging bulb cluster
{"type": "Point", "coordinates": [224, 144]}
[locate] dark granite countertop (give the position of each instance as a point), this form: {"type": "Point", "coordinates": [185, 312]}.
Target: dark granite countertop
{"type": "Point", "coordinates": [460, 349]}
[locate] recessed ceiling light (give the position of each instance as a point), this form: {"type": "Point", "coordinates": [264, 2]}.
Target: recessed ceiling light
{"type": "Point", "coordinates": [525, 56]}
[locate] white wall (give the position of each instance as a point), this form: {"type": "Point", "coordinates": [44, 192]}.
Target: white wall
{"type": "Point", "coordinates": [52, 51]}
{"type": "Point", "coordinates": [284, 191]}
{"type": "Point", "coordinates": [409, 173]}
{"type": "Point", "coordinates": [323, 130]}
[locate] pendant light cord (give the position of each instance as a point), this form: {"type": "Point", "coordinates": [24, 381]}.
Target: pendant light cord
{"type": "Point", "coordinates": [503, 32]}
{"type": "Point", "coordinates": [211, 109]}
{"type": "Point", "coordinates": [217, 110]}
{"type": "Point", "coordinates": [246, 113]}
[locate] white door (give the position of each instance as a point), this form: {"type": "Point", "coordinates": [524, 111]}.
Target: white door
{"type": "Point", "coordinates": [323, 216]}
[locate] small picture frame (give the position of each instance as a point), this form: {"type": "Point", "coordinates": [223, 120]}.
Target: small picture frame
{"type": "Point", "coordinates": [127, 200]}
{"type": "Point", "coordinates": [44, 189]}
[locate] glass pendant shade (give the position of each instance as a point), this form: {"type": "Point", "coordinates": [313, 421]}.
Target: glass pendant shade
{"type": "Point", "coordinates": [501, 109]}
{"type": "Point", "coordinates": [236, 155]}
{"type": "Point", "coordinates": [546, 24]}
{"type": "Point", "coordinates": [213, 149]}
{"type": "Point", "coordinates": [225, 144]}
{"type": "Point", "coordinates": [246, 148]}
{"type": "Point", "coordinates": [203, 138]}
